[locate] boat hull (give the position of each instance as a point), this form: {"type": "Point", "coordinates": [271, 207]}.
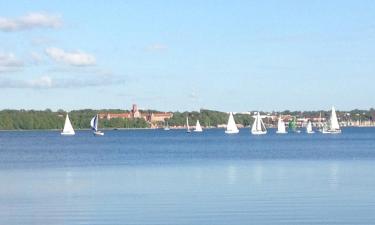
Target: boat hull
{"type": "Point", "coordinates": [258, 132]}
{"type": "Point", "coordinates": [281, 132]}
{"type": "Point", "coordinates": [67, 134]}
{"type": "Point", "coordinates": [331, 131]}
{"type": "Point", "coordinates": [98, 133]}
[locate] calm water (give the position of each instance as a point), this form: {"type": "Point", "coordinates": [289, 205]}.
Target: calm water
{"type": "Point", "coordinates": [170, 177]}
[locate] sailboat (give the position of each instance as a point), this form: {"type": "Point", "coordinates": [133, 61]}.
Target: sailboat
{"type": "Point", "coordinates": [166, 127]}
{"type": "Point", "coordinates": [187, 125]}
{"type": "Point", "coordinates": [332, 127]}
{"type": "Point", "coordinates": [198, 127]}
{"type": "Point", "coordinates": [281, 127]}
{"type": "Point", "coordinates": [94, 125]}
{"type": "Point", "coordinates": [231, 126]}
{"type": "Point", "coordinates": [258, 127]}
{"type": "Point", "coordinates": [309, 129]}
{"type": "Point", "coordinates": [293, 125]}
{"type": "Point", "coordinates": [320, 124]}
{"type": "Point", "coordinates": [68, 128]}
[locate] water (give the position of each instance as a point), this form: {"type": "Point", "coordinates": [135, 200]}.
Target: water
{"type": "Point", "coordinates": [170, 177]}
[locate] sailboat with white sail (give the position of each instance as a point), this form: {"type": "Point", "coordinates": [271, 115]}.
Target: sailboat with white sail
{"type": "Point", "coordinates": [198, 127]}
{"type": "Point", "coordinates": [68, 128]}
{"type": "Point", "coordinates": [332, 127]}
{"type": "Point", "coordinates": [231, 126]}
{"type": "Point", "coordinates": [281, 126]}
{"type": "Point", "coordinates": [94, 125]}
{"type": "Point", "coordinates": [166, 126]}
{"type": "Point", "coordinates": [258, 127]}
{"type": "Point", "coordinates": [309, 129]}
{"type": "Point", "coordinates": [187, 125]}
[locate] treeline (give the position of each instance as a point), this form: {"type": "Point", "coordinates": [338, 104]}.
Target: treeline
{"type": "Point", "coordinates": [207, 118]}
{"type": "Point", "coordinates": [30, 119]}
{"type": "Point", "coordinates": [48, 119]}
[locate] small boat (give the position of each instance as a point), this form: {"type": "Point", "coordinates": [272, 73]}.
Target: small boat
{"type": "Point", "coordinates": [94, 125]}
{"type": "Point", "coordinates": [320, 124]}
{"type": "Point", "coordinates": [293, 126]}
{"type": "Point", "coordinates": [231, 126]}
{"type": "Point", "coordinates": [198, 127]}
{"type": "Point", "coordinates": [281, 127]}
{"type": "Point", "coordinates": [166, 127]}
{"type": "Point", "coordinates": [258, 127]}
{"type": "Point", "coordinates": [332, 127]}
{"type": "Point", "coordinates": [68, 128]}
{"type": "Point", "coordinates": [187, 125]}
{"type": "Point", "coordinates": [309, 129]}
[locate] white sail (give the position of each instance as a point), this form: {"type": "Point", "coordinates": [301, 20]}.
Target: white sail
{"type": "Point", "coordinates": [258, 125]}
{"type": "Point", "coordinates": [198, 127]}
{"type": "Point", "coordinates": [68, 128]}
{"type": "Point", "coordinates": [231, 126]}
{"type": "Point", "coordinates": [166, 126]}
{"type": "Point", "coordinates": [334, 122]}
{"type": "Point", "coordinates": [309, 129]}
{"type": "Point", "coordinates": [281, 126]}
{"type": "Point", "coordinates": [333, 126]}
{"type": "Point", "coordinates": [187, 125]}
{"type": "Point", "coordinates": [94, 123]}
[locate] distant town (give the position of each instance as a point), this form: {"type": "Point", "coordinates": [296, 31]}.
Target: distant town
{"type": "Point", "coordinates": [157, 119]}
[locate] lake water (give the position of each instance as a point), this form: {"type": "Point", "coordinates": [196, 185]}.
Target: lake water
{"type": "Point", "coordinates": [171, 177]}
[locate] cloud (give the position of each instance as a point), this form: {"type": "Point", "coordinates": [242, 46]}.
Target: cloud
{"type": "Point", "coordinates": [47, 82]}
{"type": "Point", "coordinates": [41, 82]}
{"type": "Point", "coordinates": [30, 21]}
{"type": "Point", "coordinates": [9, 63]}
{"type": "Point", "coordinates": [38, 83]}
{"type": "Point", "coordinates": [76, 58]}
{"type": "Point", "coordinates": [157, 48]}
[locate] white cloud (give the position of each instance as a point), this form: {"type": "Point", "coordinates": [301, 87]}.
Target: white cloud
{"type": "Point", "coordinates": [9, 62]}
{"type": "Point", "coordinates": [41, 82]}
{"type": "Point", "coordinates": [30, 21]}
{"type": "Point", "coordinates": [47, 82]}
{"type": "Point", "coordinates": [76, 58]}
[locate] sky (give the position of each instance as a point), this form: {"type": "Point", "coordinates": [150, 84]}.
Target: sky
{"type": "Point", "coordinates": [187, 55]}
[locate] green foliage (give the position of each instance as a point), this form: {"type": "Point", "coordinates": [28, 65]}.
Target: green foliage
{"type": "Point", "coordinates": [27, 120]}
{"type": "Point", "coordinates": [208, 118]}
{"type": "Point", "coordinates": [31, 119]}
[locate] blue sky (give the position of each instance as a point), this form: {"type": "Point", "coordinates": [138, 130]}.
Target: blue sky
{"type": "Point", "coordinates": [187, 55]}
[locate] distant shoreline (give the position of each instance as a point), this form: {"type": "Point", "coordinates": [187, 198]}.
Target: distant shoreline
{"type": "Point", "coordinates": [160, 128]}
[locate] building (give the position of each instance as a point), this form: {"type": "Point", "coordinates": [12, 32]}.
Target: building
{"type": "Point", "coordinates": [136, 114]}
{"type": "Point", "coordinates": [159, 117]}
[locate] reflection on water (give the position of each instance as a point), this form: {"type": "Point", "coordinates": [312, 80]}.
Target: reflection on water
{"type": "Point", "coordinates": [264, 192]}
{"type": "Point", "coordinates": [334, 175]}
{"type": "Point", "coordinates": [232, 174]}
{"type": "Point", "coordinates": [257, 173]}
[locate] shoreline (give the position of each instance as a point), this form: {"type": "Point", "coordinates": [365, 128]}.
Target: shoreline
{"type": "Point", "coordinates": [159, 128]}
